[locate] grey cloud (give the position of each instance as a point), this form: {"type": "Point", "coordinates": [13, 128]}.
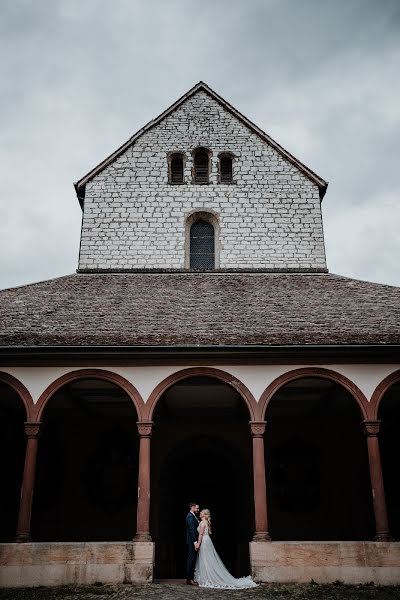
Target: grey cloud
{"type": "Point", "coordinates": [78, 78]}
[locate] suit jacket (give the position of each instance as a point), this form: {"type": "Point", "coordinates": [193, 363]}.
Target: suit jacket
{"type": "Point", "coordinates": [191, 529]}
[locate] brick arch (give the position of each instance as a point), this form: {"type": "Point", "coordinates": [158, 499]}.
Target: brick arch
{"type": "Point", "coordinates": [22, 392]}
{"type": "Point", "coordinates": [164, 385]}
{"type": "Point", "coordinates": [381, 390]}
{"type": "Point", "coordinates": [110, 376]}
{"type": "Point", "coordinates": [319, 373]}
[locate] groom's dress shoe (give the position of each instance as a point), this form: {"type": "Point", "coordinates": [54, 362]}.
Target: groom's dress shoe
{"type": "Point", "coordinates": [191, 582]}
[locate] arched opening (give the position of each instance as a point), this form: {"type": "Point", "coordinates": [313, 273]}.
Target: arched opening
{"type": "Point", "coordinates": [201, 451]}
{"type": "Point", "coordinates": [225, 168]}
{"type": "Point", "coordinates": [317, 464]}
{"type": "Point", "coordinates": [389, 414]}
{"type": "Point", "coordinates": [176, 168]}
{"type": "Point", "coordinates": [87, 467]}
{"type": "Point", "coordinates": [12, 457]}
{"type": "Point", "coordinates": [201, 166]}
{"type": "Point", "coordinates": [202, 245]}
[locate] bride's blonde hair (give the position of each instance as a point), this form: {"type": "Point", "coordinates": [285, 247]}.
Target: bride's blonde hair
{"type": "Point", "coordinates": [206, 513]}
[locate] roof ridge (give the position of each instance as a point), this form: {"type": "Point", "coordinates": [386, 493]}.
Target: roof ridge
{"type": "Point", "coordinates": [322, 184]}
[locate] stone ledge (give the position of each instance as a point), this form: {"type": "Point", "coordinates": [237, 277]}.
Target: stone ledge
{"type": "Point", "coordinates": [75, 563]}
{"type": "Point", "coordinates": [326, 562]}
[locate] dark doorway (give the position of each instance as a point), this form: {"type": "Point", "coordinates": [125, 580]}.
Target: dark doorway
{"type": "Point", "coordinates": [12, 457]}
{"type": "Point", "coordinates": [317, 470]}
{"type": "Point", "coordinates": [389, 413]}
{"type": "Point", "coordinates": [86, 483]}
{"type": "Point", "coordinates": [201, 451]}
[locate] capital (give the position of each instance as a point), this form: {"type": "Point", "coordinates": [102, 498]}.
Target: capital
{"type": "Point", "coordinates": [33, 430]}
{"type": "Point", "coordinates": [371, 428]}
{"type": "Point", "coordinates": [257, 428]}
{"type": "Point", "coordinates": [145, 428]}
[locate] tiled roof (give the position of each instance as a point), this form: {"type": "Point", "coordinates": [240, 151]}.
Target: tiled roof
{"type": "Point", "coordinates": [199, 309]}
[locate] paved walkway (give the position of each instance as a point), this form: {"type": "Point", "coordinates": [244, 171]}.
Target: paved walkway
{"type": "Point", "coordinates": [179, 591]}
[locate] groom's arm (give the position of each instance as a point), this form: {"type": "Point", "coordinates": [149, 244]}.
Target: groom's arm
{"type": "Point", "coordinates": [192, 530]}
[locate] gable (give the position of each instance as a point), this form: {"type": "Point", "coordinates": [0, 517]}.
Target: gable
{"type": "Point", "coordinates": [202, 87]}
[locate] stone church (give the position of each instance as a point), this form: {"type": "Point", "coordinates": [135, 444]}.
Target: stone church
{"type": "Point", "coordinates": [201, 352]}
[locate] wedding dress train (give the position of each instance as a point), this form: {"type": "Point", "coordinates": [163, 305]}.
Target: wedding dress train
{"type": "Point", "coordinates": [211, 572]}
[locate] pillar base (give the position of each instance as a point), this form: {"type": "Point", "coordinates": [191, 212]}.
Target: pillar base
{"type": "Point", "coordinates": [21, 538]}
{"type": "Point", "coordinates": [383, 537]}
{"type": "Point", "coordinates": [262, 536]}
{"type": "Point", "coordinates": [142, 537]}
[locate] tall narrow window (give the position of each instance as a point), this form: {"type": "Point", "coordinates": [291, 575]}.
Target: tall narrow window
{"type": "Point", "coordinates": [202, 246]}
{"type": "Point", "coordinates": [225, 169]}
{"type": "Point", "coordinates": [201, 166]}
{"type": "Point", "coordinates": [176, 168]}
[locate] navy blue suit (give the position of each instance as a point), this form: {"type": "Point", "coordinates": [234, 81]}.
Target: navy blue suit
{"type": "Point", "coordinates": [191, 537]}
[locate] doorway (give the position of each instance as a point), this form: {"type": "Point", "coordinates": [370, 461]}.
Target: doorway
{"type": "Point", "coordinates": [201, 453]}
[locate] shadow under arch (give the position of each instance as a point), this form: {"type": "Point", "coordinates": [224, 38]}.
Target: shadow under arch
{"type": "Point", "coordinates": [222, 483]}
{"type": "Point", "coordinates": [386, 409]}
{"type": "Point", "coordinates": [101, 374]}
{"type": "Point", "coordinates": [15, 405]}
{"type": "Point", "coordinates": [316, 457]}
{"type": "Point", "coordinates": [381, 390]}
{"type": "Point", "coordinates": [22, 392]}
{"type": "Point", "coordinates": [317, 373]}
{"type": "Point", "coordinates": [88, 457]}
{"type": "Point", "coordinates": [210, 372]}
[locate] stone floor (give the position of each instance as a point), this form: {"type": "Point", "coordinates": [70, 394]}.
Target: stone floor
{"type": "Point", "coordinates": [178, 591]}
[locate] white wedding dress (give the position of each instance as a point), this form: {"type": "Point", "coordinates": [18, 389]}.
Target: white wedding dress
{"type": "Point", "coordinates": [211, 572]}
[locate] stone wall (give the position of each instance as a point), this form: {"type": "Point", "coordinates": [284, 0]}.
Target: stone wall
{"type": "Point", "coordinates": [75, 563]}
{"type": "Point", "coordinates": [270, 217]}
{"type": "Point", "coordinates": [326, 562]}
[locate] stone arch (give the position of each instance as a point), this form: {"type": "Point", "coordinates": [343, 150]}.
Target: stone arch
{"type": "Point", "coordinates": [201, 171]}
{"type": "Point", "coordinates": [315, 372]}
{"type": "Point", "coordinates": [311, 473]}
{"type": "Point", "coordinates": [22, 392]}
{"type": "Point", "coordinates": [169, 381]}
{"type": "Point", "coordinates": [105, 375]}
{"type": "Point", "coordinates": [380, 391]}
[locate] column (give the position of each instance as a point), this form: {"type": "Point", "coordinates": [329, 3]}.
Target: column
{"type": "Point", "coordinates": [145, 429]}
{"type": "Point", "coordinates": [260, 491]}
{"type": "Point", "coordinates": [371, 429]}
{"type": "Point", "coordinates": [32, 431]}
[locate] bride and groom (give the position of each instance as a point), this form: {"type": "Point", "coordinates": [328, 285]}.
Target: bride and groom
{"type": "Point", "coordinates": [204, 566]}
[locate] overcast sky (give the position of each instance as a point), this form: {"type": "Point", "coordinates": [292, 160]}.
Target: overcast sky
{"type": "Point", "coordinates": [79, 77]}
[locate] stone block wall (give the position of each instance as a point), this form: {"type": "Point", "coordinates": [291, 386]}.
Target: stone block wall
{"type": "Point", "coordinates": [270, 217]}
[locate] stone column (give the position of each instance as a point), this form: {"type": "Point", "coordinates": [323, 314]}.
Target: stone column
{"type": "Point", "coordinates": [32, 431]}
{"type": "Point", "coordinates": [260, 490]}
{"type": "Point", "coordinates": [371, 429]}
{"type": "Point", "coordinates": [145, 429]}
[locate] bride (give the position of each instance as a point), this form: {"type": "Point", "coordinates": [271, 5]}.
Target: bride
{"type": "Point", "coordinates": [210, 570]}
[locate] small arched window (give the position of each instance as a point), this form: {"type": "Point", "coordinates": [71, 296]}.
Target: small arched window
{"type": "Point", "coordinates": [225, 168]}
{"type": "Point", "coordinates": [201, 166]}
{"type": "Point", "coordinates": [176, 168]}
{"type": "Point", "coordinates": [202, 246]}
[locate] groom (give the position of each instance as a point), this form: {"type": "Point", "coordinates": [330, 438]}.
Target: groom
{"type": "Point", "coordinates": [192, 523]}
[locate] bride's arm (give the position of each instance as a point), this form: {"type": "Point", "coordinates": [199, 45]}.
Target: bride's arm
{"type": "Point", "coordinates": [201, 532]}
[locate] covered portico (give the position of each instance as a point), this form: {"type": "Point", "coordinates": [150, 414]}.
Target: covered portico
{"type": "Point", "coordinates": [258, 453]}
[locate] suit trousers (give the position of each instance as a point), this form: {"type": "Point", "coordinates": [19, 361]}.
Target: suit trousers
{"type": "Point", "coordinates": [191, 561]}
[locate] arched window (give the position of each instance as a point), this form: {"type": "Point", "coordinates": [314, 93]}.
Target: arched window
{"type": "Point", "coordinates": [202, 245]}
{"type": "Point", "coordinates": [225, 168]}
{"type": "Point", "coordinates": [176, 168]}
{"type": "Point", "coordinates": [201, 166]}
